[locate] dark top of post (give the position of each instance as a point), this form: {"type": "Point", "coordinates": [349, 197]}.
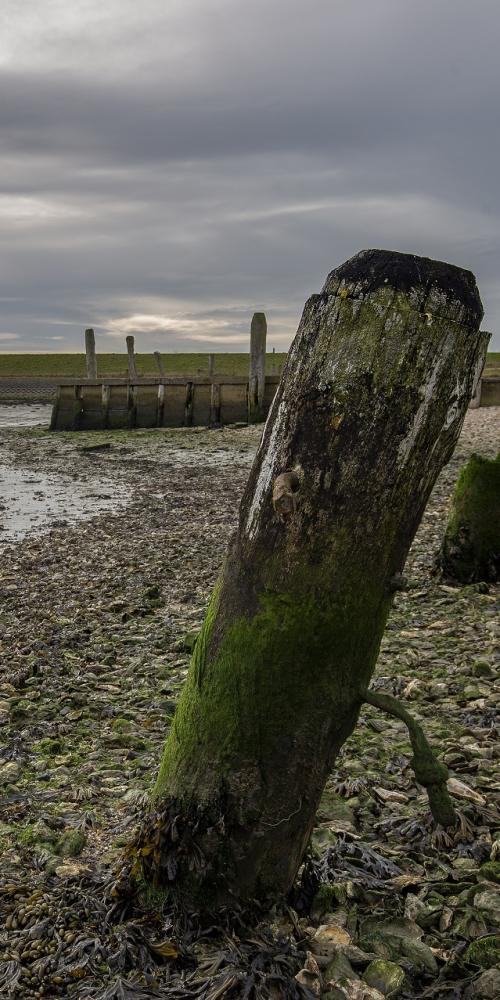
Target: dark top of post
{"type": "Point", "coordinates": [405, 272]}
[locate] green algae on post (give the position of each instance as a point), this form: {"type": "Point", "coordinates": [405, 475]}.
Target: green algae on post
{"type": "Point", "coordinates": [471, 546]}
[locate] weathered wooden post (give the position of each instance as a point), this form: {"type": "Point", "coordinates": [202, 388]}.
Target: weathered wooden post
{"type": "Point", "coordinates": [215, 404]}
{"type": "Point", "coordinates": [475, 402]}
{"type": "Point", "coordinates": [369, 408]}
{"type": "Point", "coordinates": [470, 551]}
{"type": "Point", "coordinates": [159, 362]}
{"type": "Point", "coordinates": [257, 373]}
{"type": "Point", "coordinates": [273, 362]}
{"type": "Point", "coordinates": [106, 395]}
{"type": "Point", "coordinates": [214, 419]}
{"type": "Point", "coordinates": [160, 405]}
{"type": "Point", "coordinates": [132, 370]}
{"type": "Point", "coordinates": [90, 353]}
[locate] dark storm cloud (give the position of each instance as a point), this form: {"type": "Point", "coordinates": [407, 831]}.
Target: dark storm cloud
{"type": "Point", "coordinates": [171, 169]}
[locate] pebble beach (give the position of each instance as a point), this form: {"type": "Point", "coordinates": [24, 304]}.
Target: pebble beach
{"type": "Point", "coordinates": [104, 581]}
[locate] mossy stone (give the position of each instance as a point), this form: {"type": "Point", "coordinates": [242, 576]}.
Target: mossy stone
{"type": "Point", "coordinates": [325, 900]}
{"type": "Point", "coordinates": [387, 977]}
{"type": "Point", "coordinates": [490, 871]}
{"type": "Point", "coordinates": [189, 640]}
{"type": "Point", "coordinates": [121, 725]}
{"type": "Point", "coordinates": [48, 747]}
{"type": "Point", "coordinates": [71, 844]}
{"type": "Point", "coordinates": [484, 952]}
{"type": "Point", "coordinates": [481, 668]}
{"type": "Point", "coordinates": [39, 835]}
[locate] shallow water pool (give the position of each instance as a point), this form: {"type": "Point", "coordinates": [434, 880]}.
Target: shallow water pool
{"type": "Point", "coordinates": [25, 414]}
{"type": "Point", "coordinates": [31, 502]}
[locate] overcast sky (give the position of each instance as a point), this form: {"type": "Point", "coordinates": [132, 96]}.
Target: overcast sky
{"type": "Point", "coordinates": [167, 167]}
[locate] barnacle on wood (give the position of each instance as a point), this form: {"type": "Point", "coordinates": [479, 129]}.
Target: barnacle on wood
{"type": "Point", "coordinates": [285, 489]}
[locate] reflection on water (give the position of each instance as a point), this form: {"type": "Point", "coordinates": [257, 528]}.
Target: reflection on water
{"type": "Point", "coordinates": [24, 414]}
{"type": "Point", "coordinates": [31, 502]}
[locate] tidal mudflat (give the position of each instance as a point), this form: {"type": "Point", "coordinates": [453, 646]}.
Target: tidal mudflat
{"type": "Point", "coordinates": [32, 502]}
{"type": "Point", "coordinates": [96, 621]}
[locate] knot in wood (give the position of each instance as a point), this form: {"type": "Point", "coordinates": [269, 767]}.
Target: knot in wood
{"type": "Point", "coordinates": [285, 489]}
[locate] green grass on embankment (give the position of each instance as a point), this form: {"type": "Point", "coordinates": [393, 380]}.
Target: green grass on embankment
{"type": "Point", "coordinates": [492, 363]}
{"type": "Point", "coordinates": [69, 365]}
{"type": "Point", "coordinates": [73, 365]}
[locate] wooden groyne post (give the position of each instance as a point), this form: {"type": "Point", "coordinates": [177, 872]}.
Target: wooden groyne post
{"type": "Point", "coordinates": [132, 370]}
{"type": "Point", "coordinates": [478, 381]}
{"type": "Point", "coordinates": [90, 353]}
{"type": "Point", "coordinates": [369, 407]}
{"type": "Point", "coordinates": [159, 362]}
{"type": "Point", "coordinates": [257, 373]}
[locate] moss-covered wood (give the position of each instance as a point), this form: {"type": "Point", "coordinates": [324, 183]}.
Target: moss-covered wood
{"type": "Point", "coordinates": [471, 547]}
{"type": "Point", "coordinates": [429, 771]}
{"type": "Point", "coordinates": [368, 410]}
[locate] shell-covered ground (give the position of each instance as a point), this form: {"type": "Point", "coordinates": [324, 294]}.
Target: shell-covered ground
{"type": "Point", "coordinates": [96, 620]}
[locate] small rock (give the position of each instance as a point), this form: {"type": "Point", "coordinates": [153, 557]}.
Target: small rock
{"type": "Point", "coordinates": [486, 987]}
{"type": "Point", "coordinates": [395, 939]}
{"type": "Point", "coordinates": [7, 689]}
{"type": "Point", "coordinates": [415, 688]}
{"type": "Point", "coordinates": [310, 976]}
{"type": "Point", "coordinates": [389, 795]}
{"type": "Point", "coordinates": [387, 977]}
{"type": "Point", "coordinates": [481, 668]}
{"type": "Point", "coordinates": [357, 956]}
{"type": "Point", "coordinates": [189, 640]}
{"type": "Point", "coordinates": [424, 914]}
{"type": "Point", "coordinates": [462, 791]}
{"type": "Point", "coordinates": [71, 844]}
{"type": "Point", "coordinates": [354, 989]}
{"type": "Point", "coordinates": [10, 773]}
{"type": "Point", "coordinates": [445, 920]}
{"type": "Point", "coordinates": [329, 938]}
{"type": "Point", "coordinates": [70, 869]}
{"type": "Point", "coordinates": [489, 902]}
{"type": "Point", "coordinates": [104, 446]}
{"type": "Point", "coordinates": [339, 968]}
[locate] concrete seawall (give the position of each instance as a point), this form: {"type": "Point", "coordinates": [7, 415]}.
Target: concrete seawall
{"type": "Point", "coordinates": [490, 391]}
{"type": "Point", "coordinates": [155, 402]}
{"type": "Point", "coordinates": [81, 397]}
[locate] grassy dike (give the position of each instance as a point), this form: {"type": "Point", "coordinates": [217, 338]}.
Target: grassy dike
{"type": "Point", "coordinates": [68, 365]}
